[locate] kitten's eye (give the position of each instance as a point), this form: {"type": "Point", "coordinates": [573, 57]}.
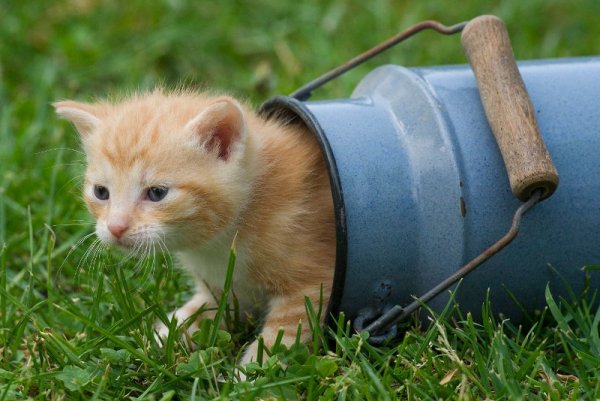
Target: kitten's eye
{"type": "Point", "coordinates": [101, 192]}
{"type": "Point", "coordinates": [156, 194]}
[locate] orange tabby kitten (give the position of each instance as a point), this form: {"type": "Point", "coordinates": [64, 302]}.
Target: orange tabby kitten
{"type": "Point", "coordinates": [189, 171]}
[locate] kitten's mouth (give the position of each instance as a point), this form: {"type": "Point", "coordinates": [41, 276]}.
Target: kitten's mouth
{"type": "Point", "coordinates": [134, 243]}
{"type": "Point", "coordinates": [138, 247]}
{"type": "Point", "coordinates": [125, 243]}
{"type": "Point", "coordinates": [132, 249]}
{"type": "Point", "coordinates": [121, 244]}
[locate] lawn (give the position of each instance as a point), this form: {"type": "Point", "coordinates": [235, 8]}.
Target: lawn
{"type": "Point", "coordinates": [76, 324]}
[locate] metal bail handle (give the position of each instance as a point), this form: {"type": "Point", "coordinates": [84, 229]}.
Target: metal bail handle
{"type": "Point", "coordinates": [511, 116]}
{"type": "Point", "coordinates": [304, 92]}
{"type": "Point", "coordinates": [508, 107]}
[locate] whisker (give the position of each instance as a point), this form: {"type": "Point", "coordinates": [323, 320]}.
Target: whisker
{"type": "Point", "coordinates": [131, 254]}
{"type": "Point", "coordinates": [153, 266]}
{"type": "Point", "coordinates": [150, 256]}
{"type": "Point", "coordinates": [84, 258]}
{"type": "Point", "coordinates": [139, 250]}
{"type": "Point", "coordinates": [148, 260]}
{"type": "Point", "coordinates": [57, 149]}
{"type": "Point", "coordinates": [95, 264]}
{"type": "Point", "coordinates": [74, 224]}
{"type": "Point", "coordinates": [93, 255]}
{"type": "Point", "coordinates": [74, 247]}
{"type": "Point", "coordinates": [75, 180]}
{"type": "Point", "coordinates": [166, 251]}
{"type": "Point", "coordinates": [78, 163]}
{"type": "Point", "coordinates": [166, 254]}
{"type": "Point", "coordinates": [91, 268]}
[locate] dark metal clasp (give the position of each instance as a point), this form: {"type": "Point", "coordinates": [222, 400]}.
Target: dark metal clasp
{"type": "Point", "coordinates": [367, 316]}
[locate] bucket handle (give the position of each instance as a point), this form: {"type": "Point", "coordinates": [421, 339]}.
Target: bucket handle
{"type": "Point", "coordinates": [505, 100]}
{"type": "Point", "coordinates": [511, 116]}
{"type": "Point", "coordinates": [508, 107]}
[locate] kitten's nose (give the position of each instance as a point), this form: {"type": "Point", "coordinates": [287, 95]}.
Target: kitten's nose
{"type": "Point", "coordinates": [118, 228]}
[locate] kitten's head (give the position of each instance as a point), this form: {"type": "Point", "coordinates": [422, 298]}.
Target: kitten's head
{"type": "Point", "coordinates": [162, 167]}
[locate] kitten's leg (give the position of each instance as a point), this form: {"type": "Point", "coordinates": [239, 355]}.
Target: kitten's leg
{"type": "Point", "coordinates": [286, 312]}
{"type": "Point", "coordinates": [202, 298]}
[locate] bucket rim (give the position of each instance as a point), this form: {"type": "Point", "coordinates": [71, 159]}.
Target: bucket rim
{"type": "Point", "coordinates": [292, 110]}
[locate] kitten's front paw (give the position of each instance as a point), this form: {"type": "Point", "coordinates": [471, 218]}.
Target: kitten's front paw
{"type": "Point", "coordinates": [162, 330]}
{"type": "Point", "coordinates": [181, 315]}
{"type": "Point", "coordinates": [250, 355]}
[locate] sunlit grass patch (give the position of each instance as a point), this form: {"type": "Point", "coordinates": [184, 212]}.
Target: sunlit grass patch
{"type": "Point", "coordinates": [77, 320]}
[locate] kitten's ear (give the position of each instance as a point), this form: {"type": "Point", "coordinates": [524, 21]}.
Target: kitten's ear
{"type": "Point", "coordinates": [221, 127]}
{"type": "Point", "coordinates": [82, 115]}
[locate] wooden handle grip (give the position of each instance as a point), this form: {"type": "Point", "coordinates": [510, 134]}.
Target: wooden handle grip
{"type": "Point", "coordinates": [508, 107]}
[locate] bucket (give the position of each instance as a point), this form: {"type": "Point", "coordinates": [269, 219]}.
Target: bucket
{"type": "Point", "coordinates": [420, 187]}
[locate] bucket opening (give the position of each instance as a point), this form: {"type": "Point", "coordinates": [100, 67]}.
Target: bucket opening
{"type": "Point", "coordinates": [292, 111]}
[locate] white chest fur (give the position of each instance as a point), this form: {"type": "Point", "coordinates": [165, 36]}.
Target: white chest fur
{"type": "Point", "coordinates": [209, 264]}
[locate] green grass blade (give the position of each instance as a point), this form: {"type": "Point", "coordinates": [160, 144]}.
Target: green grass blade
{"type": "Point", "coordinates": [50, 286]}
{"type": "Point", "coordinates": [118, 341]}
{"type": "Point", "coordinates": [223, 302]}
{"type": "Point", "coordinates": [555, 310]}
{"type": "Point", "coordinates": [3, 288]}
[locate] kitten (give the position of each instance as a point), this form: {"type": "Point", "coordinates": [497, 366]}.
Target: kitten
{"type": "Point", "coordinates": [188, 171]}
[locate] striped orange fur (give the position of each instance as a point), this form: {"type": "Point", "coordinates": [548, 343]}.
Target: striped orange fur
{"type": "Point", "coordinates": [224, 170]}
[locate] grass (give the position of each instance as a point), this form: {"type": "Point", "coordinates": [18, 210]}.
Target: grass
{"type": "Point", "coordinates": [75, 327]}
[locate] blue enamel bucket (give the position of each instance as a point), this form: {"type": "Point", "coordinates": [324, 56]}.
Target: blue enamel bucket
{"type": "Point", "coordinates": [420, 187]}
